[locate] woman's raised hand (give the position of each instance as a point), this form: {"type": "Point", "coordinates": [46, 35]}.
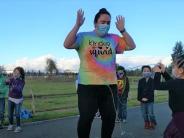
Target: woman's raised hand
{"type": "Point", "coordinates": [80, 18]}
{"type": "Point", "coordinates": [120, 23]}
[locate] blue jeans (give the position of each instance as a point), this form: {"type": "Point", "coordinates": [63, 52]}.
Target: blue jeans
{"type": "Point", "coordinates": [122, 108]}
{"type": "Point", "coordinates": [2, 109]}
{"type": "Point", "coordinates": [11, 107]}
{"type": "Point", "coordinates": [148, 112]}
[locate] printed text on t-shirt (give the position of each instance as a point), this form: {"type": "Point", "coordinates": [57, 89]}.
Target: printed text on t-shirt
{"type": "Point", "coordinates": [100, 48]}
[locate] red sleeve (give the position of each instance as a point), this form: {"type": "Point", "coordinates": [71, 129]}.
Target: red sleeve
{"type": "Point", "coordinates": [121, 47]}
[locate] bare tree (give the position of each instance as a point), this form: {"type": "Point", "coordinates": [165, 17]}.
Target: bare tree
{"type": "Point", "coordinates": [2, 69]}
{"type": "Point", "coordinates": [51, 66]}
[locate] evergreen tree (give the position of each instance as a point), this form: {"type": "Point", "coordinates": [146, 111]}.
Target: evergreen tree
{"type": "Point", "coordinates": [177, 50]}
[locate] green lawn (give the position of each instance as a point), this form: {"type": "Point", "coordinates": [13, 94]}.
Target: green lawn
{"type": "Point", "coordinates": [45, 87]}
{"type": "Point", "coordinates": [50, 102]}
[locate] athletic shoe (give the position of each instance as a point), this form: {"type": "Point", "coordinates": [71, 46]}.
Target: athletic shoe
{"type": "Point", "coordinates": [118, 120]}
{"type": "Point", "coordinates": [10, 128]}
{"type": "Point", "coordinates": [97, 115]}
{"type": "Point", "coordinates": [1, 126]}
{"type": "Point", "coordinates": [124, 121]}
{"type": "Point", "coordinates": [146, 125]}
{"type": "Point", "coordinates": [152, 125]}
{"type": "Point", "coordinates": [18, 129]}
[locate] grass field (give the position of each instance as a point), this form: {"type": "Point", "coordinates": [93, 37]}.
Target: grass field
{"type": "Point", "coordinates": [58, 98]}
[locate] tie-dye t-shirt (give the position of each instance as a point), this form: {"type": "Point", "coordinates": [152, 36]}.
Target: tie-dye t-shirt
{"type": "Point", "coordinates": [98, 57]}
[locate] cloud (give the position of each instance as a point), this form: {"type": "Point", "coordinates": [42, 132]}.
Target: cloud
{"type": "Point", "coordinates": [39, 63]}
{"type": "Point", "coordinates": [72, 64]}
{"type": "Point", "coordinates": [131, 62]}
{"type": "Point", "coordinates": [36, 64]}
{"type": "Point", "coordinates": [68, 64]}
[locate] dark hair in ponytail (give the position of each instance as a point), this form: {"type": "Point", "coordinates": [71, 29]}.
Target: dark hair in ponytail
{"type": "Point", "coordinates": [101, 11]}
{"type": "Point", "coordinates": [22, 73]}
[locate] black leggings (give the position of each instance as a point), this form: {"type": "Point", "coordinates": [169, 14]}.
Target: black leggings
{"type": "Point", "coordinates": [90, 99]}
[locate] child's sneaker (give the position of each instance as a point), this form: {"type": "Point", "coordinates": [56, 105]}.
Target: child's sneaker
{"type": "Point", "coordinates": [97, 115]}
{"type": "Point", "coordinates": [118, 120]}
{"type": "Point", "coordinates": [1, 126]}
{"type": "Point", "coordinates": [124, 121]}
{"type": "Point", "coordinates": [10, 128]}
{"type": "Point", "coordinates": [152, 125]}
{"type": "Point", "coordinates": [18, 129]}
{"type": "Point", "coordinates": [146, 125]}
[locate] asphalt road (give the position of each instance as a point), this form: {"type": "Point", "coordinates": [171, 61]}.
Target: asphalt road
{"type": "Point", "coordinates": [66, 127]}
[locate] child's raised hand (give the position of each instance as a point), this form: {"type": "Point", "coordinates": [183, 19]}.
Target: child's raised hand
{"type": "Point", "coordinates": [157, 68]}
{"type": "Point", "coordinates": [162, 67]}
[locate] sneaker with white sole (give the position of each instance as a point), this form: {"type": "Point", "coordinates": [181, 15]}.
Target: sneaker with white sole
{"type": "Point", "coordinates": [10, 128]}
{"type": "Point", "coordinates": [18, 129]}
{"type": "Point", "coordinates": [124, 121]}
{"type": "Point", "coordinates": [1, 126]}
{"type": "Point", "coordinates": [97, 115]}
{"type": "Point", "coordinates": [117, 120]}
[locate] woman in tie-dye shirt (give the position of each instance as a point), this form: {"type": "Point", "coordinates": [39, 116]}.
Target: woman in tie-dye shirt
{"type": "Point", "coordinates": [97, 82]}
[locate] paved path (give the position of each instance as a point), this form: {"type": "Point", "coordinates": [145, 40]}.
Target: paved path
{"type": "Point", "coordinates": [66, 127]}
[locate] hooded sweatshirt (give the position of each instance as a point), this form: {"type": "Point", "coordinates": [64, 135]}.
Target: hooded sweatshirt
{"type": "Point", "coordinates": [16, 86]}
{"type": "Point", "coordinates": [3, 86]}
